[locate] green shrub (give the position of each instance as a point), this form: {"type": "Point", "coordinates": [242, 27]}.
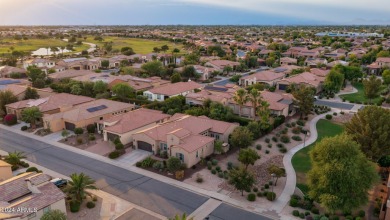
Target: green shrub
{"type": "Point", "coordinates": [24, 128]}
{"type": "Point", "coordinates": [335, 113]}
{"type": "Point", "coordinates": [300, 122]}
{"type": "Point", "coordinates": [74, 206]}
{"type": "Point", "coordinates": [296, 130]}
{"type": "Point", "coordinates": [148, 162]}
{"type": "Point", "coordinates": [78, 131]}
{"type": "Point", "coordinates": [259, 194]}
{"type": "Point", "coordinates": [302, 215]}
{"type": "Point", "coordinates": [209, 163]}
{"type": "Point", "coordinates": [328, 116]}
{"type": "Point", "coordinates": [199, 179]}
{"type": "Point", "coordinates": [267, 151]}
{"type": "Point", "coordinates": [335, 217]}
{"type": "Point", "coordinates": [214, 162]}
{"type": "Point", "coordinates": [285, 139]}
{"type": "Point", "coordinates": [90, 205]}
{"type": "Point", "coordinates": [255, 189]}
{"type": "Point", "coordinates": [267, 140]}
{"type": "Point", "coordinates": [79, 140]}
{"type": "Point", "coordinates": [14, 167]}
{"type": "Point", "coordinates": [294, 203]}
{"type": "Point", "coordinates": [307, 213]}
{"type": "Point", "coordinates": [91, 128]}
{"type": "Point", "coordinates": [229, 165]}
{"type": "Point", "coordinates": [314, 210]}
{"type": "Point", "coordinates": [251, 197]}
{"type": "Point", "coordinates": [269, 145]}
{"type": "Point", "coordinates": [91, 137]}
{"type": "Point", "coordinates": [220, 175]}
{"type": "Point", "coordinates": [280, 145]}
{"type": "Point", "coordinates": [218, 168]}
{"type": "Point", "coordinates": [209, 167]}
{"type": "Point", "coordinates": [248, 190]}
{"type": "Point", "coordinates": [295, 213]}
{"type": "Point", "coordinates": [283, 150]}
{"type": "Point", "coordinates": [138, 164]}
{"type": "Point", "coordinates": [271, 196]}
{"type": "Point", "coordinates": [32, 169]}
{"type": "Point", "coordinates": [349, 217]}
{"type": "Point", "coordinates": [158, 165]}
{"type": "Point", "coordinates": [275, 139]}
{"type": "Point", "coordinates": [24, 164]}
{"type": "Point", "coordinates": [266, 186]}
{"type": "Point", "coordinates": [113, 155]}
{"type": "Point", "coordinates": [119, 146]}
{"type": "Point", "coordinates": [10, 119]}
{"type": "Point", "coordinates": [296, 138]}
{"type": "Point", "coordinates": [213, 171]}
{"type": "Point", "coordinates": [258, 146]}
{"type": "Point", "coordinates": [362, 213]}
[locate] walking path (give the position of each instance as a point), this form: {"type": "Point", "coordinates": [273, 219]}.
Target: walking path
{"type": "Point", "coordinates": [204, 210]}
{"type": "Point", "coordinates": [291, 180]}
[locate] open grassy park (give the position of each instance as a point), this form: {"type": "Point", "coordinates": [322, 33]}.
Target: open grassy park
{"type": "Point", "coordinates": [359, 96]}
{"type": "Point", "coordinates": [142, 46]}
{"type": "Point", "coordinates": [33, 44]}
{"type": "Point", "coordinates": [301, 160]}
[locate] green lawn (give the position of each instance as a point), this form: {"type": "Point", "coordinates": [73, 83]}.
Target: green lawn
{"type": "Point", "coordinates": [33, 44]}
{"type": "Point", "coordinates": [359, 96]}
{"type": "Point", "coordinates": [142, 46]}
{"type": "Point", "coordinates": [301, 160]}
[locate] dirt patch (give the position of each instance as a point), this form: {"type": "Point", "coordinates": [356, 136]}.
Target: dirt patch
{"type": "Point", "coordinates": [86, 213]}
{"type": "Point", "coordinates": [85, 140]}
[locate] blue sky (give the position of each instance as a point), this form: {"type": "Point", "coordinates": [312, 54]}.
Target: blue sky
{"type": "Point", "coordinates": [144, 12]}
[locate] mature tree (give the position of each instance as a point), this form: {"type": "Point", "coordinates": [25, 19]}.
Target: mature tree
{"type": "Point", "coordinates": [165, 48]}
{"type": "Point", "coordinates": [241, 98]}
{"type": "Point", "coordinates": [191, 58]}
{"type": "Point", "coordinates": [14, 158]}
{"type": "Point", "coordinates": [189, 72]}
{"type": "Point", "coordinates": [127, 51]}
{"type": "Point", "coordinates": [31, 115]}
{"type": "Point", "coordinates": [334, 81]}
{"type": "Point", "coordinates": [277, 171]}
{"type": "Point", "coordinates": [370, 127]}
{"type": "Point", "coordinates": [254, 97]}
{"type": "Point", "coordinates": [156, 49]}
{"type": "Point", "coordinates": [241, 179]}
{"type": "Point", "coordinates": [105, 64]}
{"type": "Point", "coordinates": [386, 79]}
{"type": "Point", "coordinates": [31, 93]}
{"type": "Point", "coordinates": [34, 73]}
{"type": "Point", "coordinates": [55, 214]}
{"type": "Point", "coordinates": [383, 53]}
{"type": "Point", "coordinates": [122, 91]}
{"type": "Point", "coordinates": [341, 175]}
{"type": "Point", "coordinates": [173, 164]}
{"type": "Point", "coordinates": [154, 68]}
{"type": "Point", "coordinates": [350, 73]}
{"type": "Point", "coordinates": [77, 186]}
{"type": "Point", "coordinates": [76, 89]}
{"type": "Point", "coordinates": [248, 157]}
{"type": "Point", "coordinates": [6, 97]}
{"type": "Point", "coordinates": [100, 87]}
{"type": "Point", "coordinates": [176, 77]}
{"type": "Point", "coordinates": [304, 98]}
{"type": "Point", "coordinates": [220, 112]}
{"type": "Point", "coordinates": [227, 69]}
{"type": "Point", "coordinates": [372, 87]}
{"type": "Point", "coordinates": [241, 137]}
{"type": "Point", "coordinates": [255, 128]}
{"type": "Point", "coordinates": [384, 161]}
{"type": "Point", "coordinates": [270, 61]}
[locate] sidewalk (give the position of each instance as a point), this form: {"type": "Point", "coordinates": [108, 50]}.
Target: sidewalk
{"type": "Point", "coordinates": [188, 187]}
{"type": "Point", "coordinates": [291, 181]}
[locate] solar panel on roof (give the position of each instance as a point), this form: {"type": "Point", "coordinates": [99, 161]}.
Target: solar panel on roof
{"type": "Point", "coordinates": [9, 81]}
{"type": "Point", "coordinates": [97, 108]}
{"type": "Point", "coordinates": [216, 88]}
{"type": "Point", "coordinates": [278, 70]}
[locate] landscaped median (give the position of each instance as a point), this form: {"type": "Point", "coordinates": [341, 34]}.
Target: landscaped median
{"type": "Point", "coordinates": [359, 97]}
{"type": "Point", "coordinates": [301, 160]}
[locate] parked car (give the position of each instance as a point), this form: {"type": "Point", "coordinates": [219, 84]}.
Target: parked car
{"type": "Point", "coordinates": [59, 182]}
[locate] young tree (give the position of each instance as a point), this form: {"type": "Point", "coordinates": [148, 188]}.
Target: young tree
{"type": "Point", "coordinates": [65, 134]}
{"type": "Point", "coordinates": [154, 68]}
{"type": "Point", "coordinates": [77, 186]}
{"type": "Point", "coordinates": [218, 147]}
{"type": "Point", "coordinates": [371, 129]}
{"type": "Point", "coordinates": [241, 137]}
{"type": "Point", "coordinates": [31, 93]}
{"type": "Point", "coordinates": [173, 164]}
{"type": "Point", "coordinates": [6, 97]}
{"type": "Point", "coordinates": [241, 179]}
{"type": "Point", "coordinates": [189, 72]}
{"type": "Point", "coordinates": [76, 89]}
{"type": "Point", "coordinates": [334, 81]}
{"type": "Point", "coordinates": [176, 77]}
{"type": "Point", "coordinates": [248, 157]}
{"type": "Point", "coordinates": [277, 171]}
{"type": "Point", "coordinates": [14, 158]}
{"type": "Point", "coordinates": [264, 112]}
{"type": "Point", "coordinates": [105, 64]}
{"type": "Point", "coordinates": [241, 98]}
{"type": "Point", "coordinates": [31, 115]}
{"type": "Point", "coordinates": [55, 214]}
{"type": "Point", "coordinates": [372, 87]}
{"type": "Point", "coordinates": [122, 91]}
{"type": "Point", "coordinates": [341, 175]}
{"type": "Point", "coordinates": [304, 98]}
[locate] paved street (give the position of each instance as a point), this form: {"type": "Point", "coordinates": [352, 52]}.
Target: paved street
{"type": "Point", "coordinates": [146, 192]}
{"type": "Point", "coordinates": [334, 104]}
{"type": "Point", "coordinates": [229, 212]}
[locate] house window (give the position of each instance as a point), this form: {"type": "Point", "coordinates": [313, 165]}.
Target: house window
{"type": "Point", "coordinates": [46, 209]}
{"type": "Point", "coordinates": [180, 156]}
{"type": "Point", "coordinates": [32, 215]}
{"type": "Point", "coordinates": [197, 154]}
{"type": "Point", "coordinates": [163, 146]}
{"type": "Point", "coordinates": [217, 136]}
{"type": "Point", "coordinates": [159, 96]}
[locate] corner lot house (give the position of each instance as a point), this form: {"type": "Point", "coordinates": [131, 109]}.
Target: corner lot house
{"type": "Point", "coordinates": [305, 78]}
{"type": "Point", "coordinates": [125, 125]}
{"type": "Point", "coordinates": [49, 105]}
{"type": "Point", "coordinates": [186, 137]}
{"type": "Point", "coordinates": [85, 114]}
{"type": "Point", "coordinates": [219, 65]}
{"type": "Point", "coordinates": [164, 92]}
{"type": "Point", "coordinates": [30, 191]}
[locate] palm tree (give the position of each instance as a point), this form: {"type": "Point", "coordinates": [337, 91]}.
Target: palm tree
{"type": "Point", "coordinates": [240, 97]}
{"type": "Point", "coordinates": [14, 158]}
{"type": "Point", "coordinates": [255, 98]}
{"type": "Point", "coordinates": [181, 217]}
{"type": "Point", "coordinates": [30, 115]}
{"type": "Point", "coordinates": [77, 186]}
{"type": "Point", "coordinates": [62, 50]}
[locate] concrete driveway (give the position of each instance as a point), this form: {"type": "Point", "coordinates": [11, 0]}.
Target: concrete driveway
{"type": "Point", "coordinates": [56, 136]}
{"type": "Point", "coordinates": [129, 159]}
